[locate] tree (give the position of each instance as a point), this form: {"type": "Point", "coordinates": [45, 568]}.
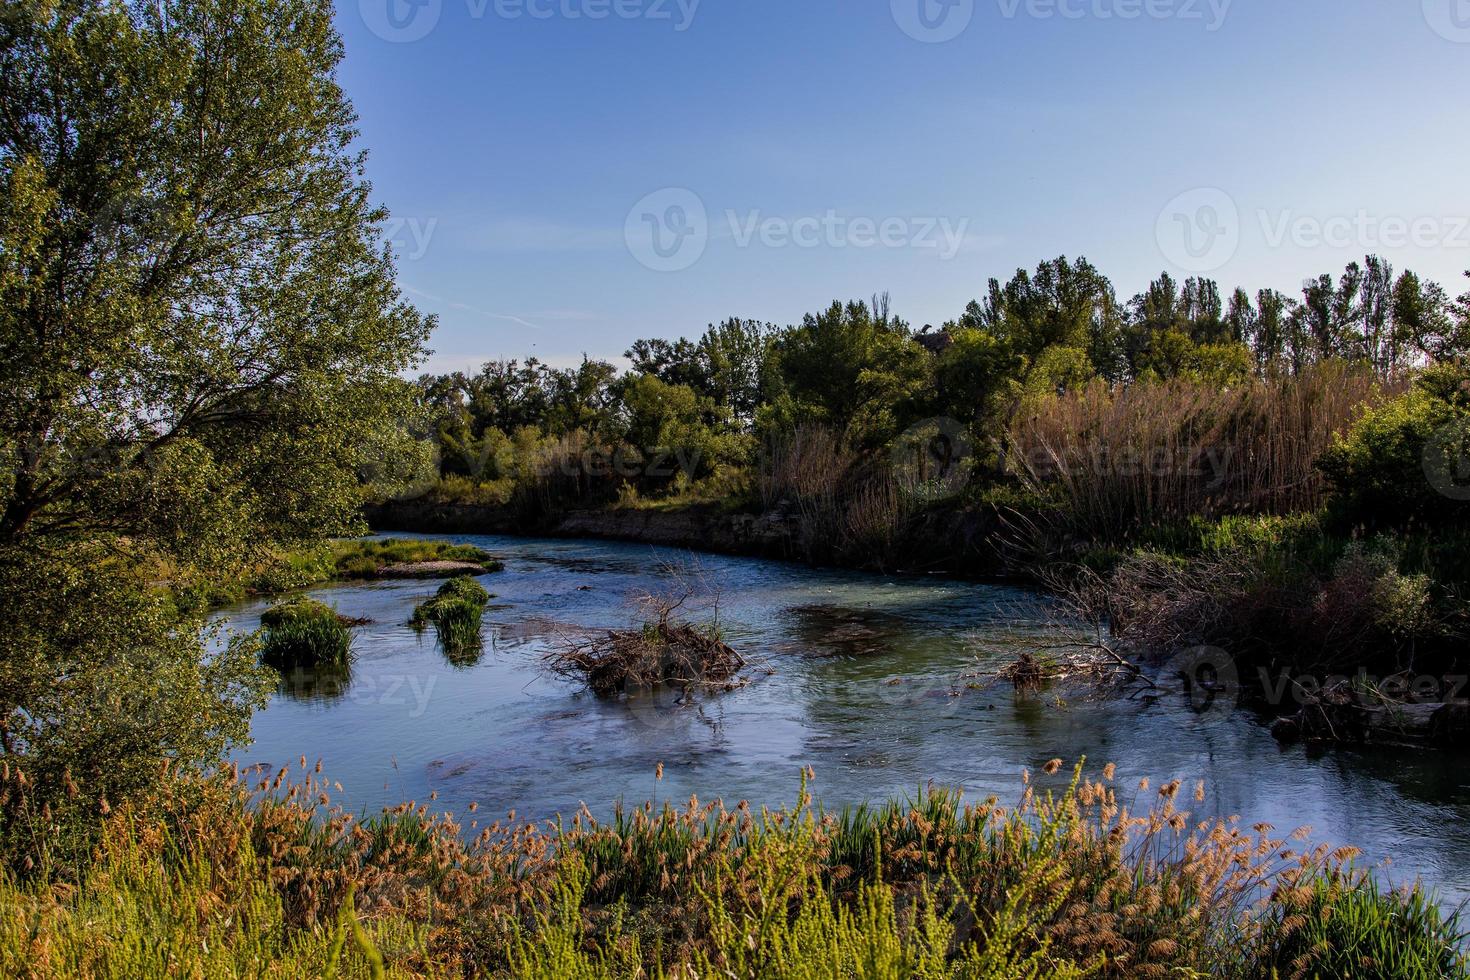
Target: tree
{"type": "Point", "coordinates": [736, 359]}
{"type": "Point", "coordinates": [1273, 316]}
{"type": "Point", "coordinates": [200, 344]}
{"type": "Point", "coordinates": [850, 367]}
{"type": "Point", "coordinates": [1380, 340]}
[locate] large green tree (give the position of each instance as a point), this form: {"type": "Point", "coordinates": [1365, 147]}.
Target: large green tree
{"type": "Point", "coordinates": [200, 341]}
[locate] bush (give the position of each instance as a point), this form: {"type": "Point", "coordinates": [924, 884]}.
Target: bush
{"type": "Point", "coordinates": [215, 878]}
{"type": "Point", "coordinates": [1404, 462]}
{"type": "Point", "coordinates": [455, 612]}
{"type": "Point", "coordinates": [1344, 925]}
{"type": "Point", "coordinates": [304, 633]}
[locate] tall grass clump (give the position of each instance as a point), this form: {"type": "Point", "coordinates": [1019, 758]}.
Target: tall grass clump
{"type": "Point", "coordinates": [850, 505]}
{"type": "Point", "coordinates": [1344, 925]}
{"type": "Point", "coordinates": [263, 876]}
{"type": "Point", "coordinates": [1117, 459]}
{"type": "Point", "coordinates": [455, 612]}
{"type": "Point", "coordinates": [304, 633]}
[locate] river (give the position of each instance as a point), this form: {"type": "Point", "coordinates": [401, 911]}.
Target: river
{"type": "Point", "coordinates": [867, 679]}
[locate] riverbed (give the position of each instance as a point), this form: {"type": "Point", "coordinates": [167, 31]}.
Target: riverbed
{"type": "Point", "coordinates": [878, 683]}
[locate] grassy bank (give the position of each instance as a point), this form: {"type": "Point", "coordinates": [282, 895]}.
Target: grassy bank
{"type": "Point", "coordinates": [213, 877]}
{"type": "Point", "coordinates": [279, 571]}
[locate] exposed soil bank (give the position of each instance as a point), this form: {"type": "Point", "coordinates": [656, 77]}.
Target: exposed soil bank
{"type": "Point", "coordinates": [948, 541]}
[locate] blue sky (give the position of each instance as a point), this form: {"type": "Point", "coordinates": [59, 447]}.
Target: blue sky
{"type": "Point", "coordinates": [786, 154]}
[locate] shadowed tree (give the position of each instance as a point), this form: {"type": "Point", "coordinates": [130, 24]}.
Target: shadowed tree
{"type": "Point", "coordinates": [200, 349]}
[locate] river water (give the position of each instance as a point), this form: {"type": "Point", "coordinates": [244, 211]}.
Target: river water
{"type": "Point", "coordinates": [875, 682]}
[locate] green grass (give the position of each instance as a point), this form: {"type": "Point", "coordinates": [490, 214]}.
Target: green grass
{"type": "Point", "coordinates": [366, 558]}
{"type": "Point", "coordinates": [215, 877]}
{"type": "Point", "coordinates": [455, 612]}
{"type": "Point", "coordinates": [304, 633]}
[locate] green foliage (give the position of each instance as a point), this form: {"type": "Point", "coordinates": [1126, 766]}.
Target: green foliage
{"type": "Point", "coordinates": [1345, 925]}
{"type": "Point", "coordinates": [305, 634]}
{"type": "Point", "coordinates": [200, 367]}
{"type": "Point", "coordinates": [455, 612]}
{"type": "Point", "coordinates": [366, 558]}
{"type": "Point", "coordinates": [1405, 462]}
{"type": "Point", "coordinates": [103, 685]}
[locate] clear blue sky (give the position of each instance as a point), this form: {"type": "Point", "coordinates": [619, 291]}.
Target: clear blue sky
{"type": "Point", "coordinates": [513, 150]}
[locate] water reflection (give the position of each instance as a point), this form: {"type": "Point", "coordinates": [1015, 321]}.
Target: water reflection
{"type": "Point", "coordinates": [323, 684]}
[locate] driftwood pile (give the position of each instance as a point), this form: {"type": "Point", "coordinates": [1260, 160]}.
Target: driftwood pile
{"type": "Point", "coordinates": [660, 653]}
{"type": "Point", "coordinates": [1342, 713]}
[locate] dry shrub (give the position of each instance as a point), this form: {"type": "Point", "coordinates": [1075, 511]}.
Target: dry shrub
{"type": "Point", "coordinates": [662, 650]}
{"type": "Point", "coordinates": [849, 504]}
{"type": "Point", "coordinates": [660, 653]}
{"type": "Point", "coordinates": [1117, 458]}
{"type": "Point", "coordinates": [1126, 885]}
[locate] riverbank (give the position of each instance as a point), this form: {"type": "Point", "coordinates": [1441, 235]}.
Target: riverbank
{"type": "Point", "coordinates": [954, 541]}
{"type": "Point", "coordinates": [1087, 878]}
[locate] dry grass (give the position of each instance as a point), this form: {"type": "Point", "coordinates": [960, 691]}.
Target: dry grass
{"type": "Point", "coordinates": [214, 875]}
{"type": "Point", "coordinates": [1115, 459]}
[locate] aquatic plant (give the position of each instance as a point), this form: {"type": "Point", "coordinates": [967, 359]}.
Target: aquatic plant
{"type": "Point", "coordinates": [304, 633]}
{"type": "Point", "coordinates": [455, 612]}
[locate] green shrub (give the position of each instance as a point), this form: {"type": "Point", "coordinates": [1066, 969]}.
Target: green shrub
{"type": "Point", "coordinates": [455, 612]}
{"type": "Point", "coordinates": [365, 559]}
{"type": "Point", "coordinates": [304, 633]}
{"type": "Point", "coordinates": [1394, 466]}
{"type": "Point", "coordinates": [1343, 925]}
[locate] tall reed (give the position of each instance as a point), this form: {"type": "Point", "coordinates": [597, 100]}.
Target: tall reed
{"type": "Point", "coordinates": [1117, 459]}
